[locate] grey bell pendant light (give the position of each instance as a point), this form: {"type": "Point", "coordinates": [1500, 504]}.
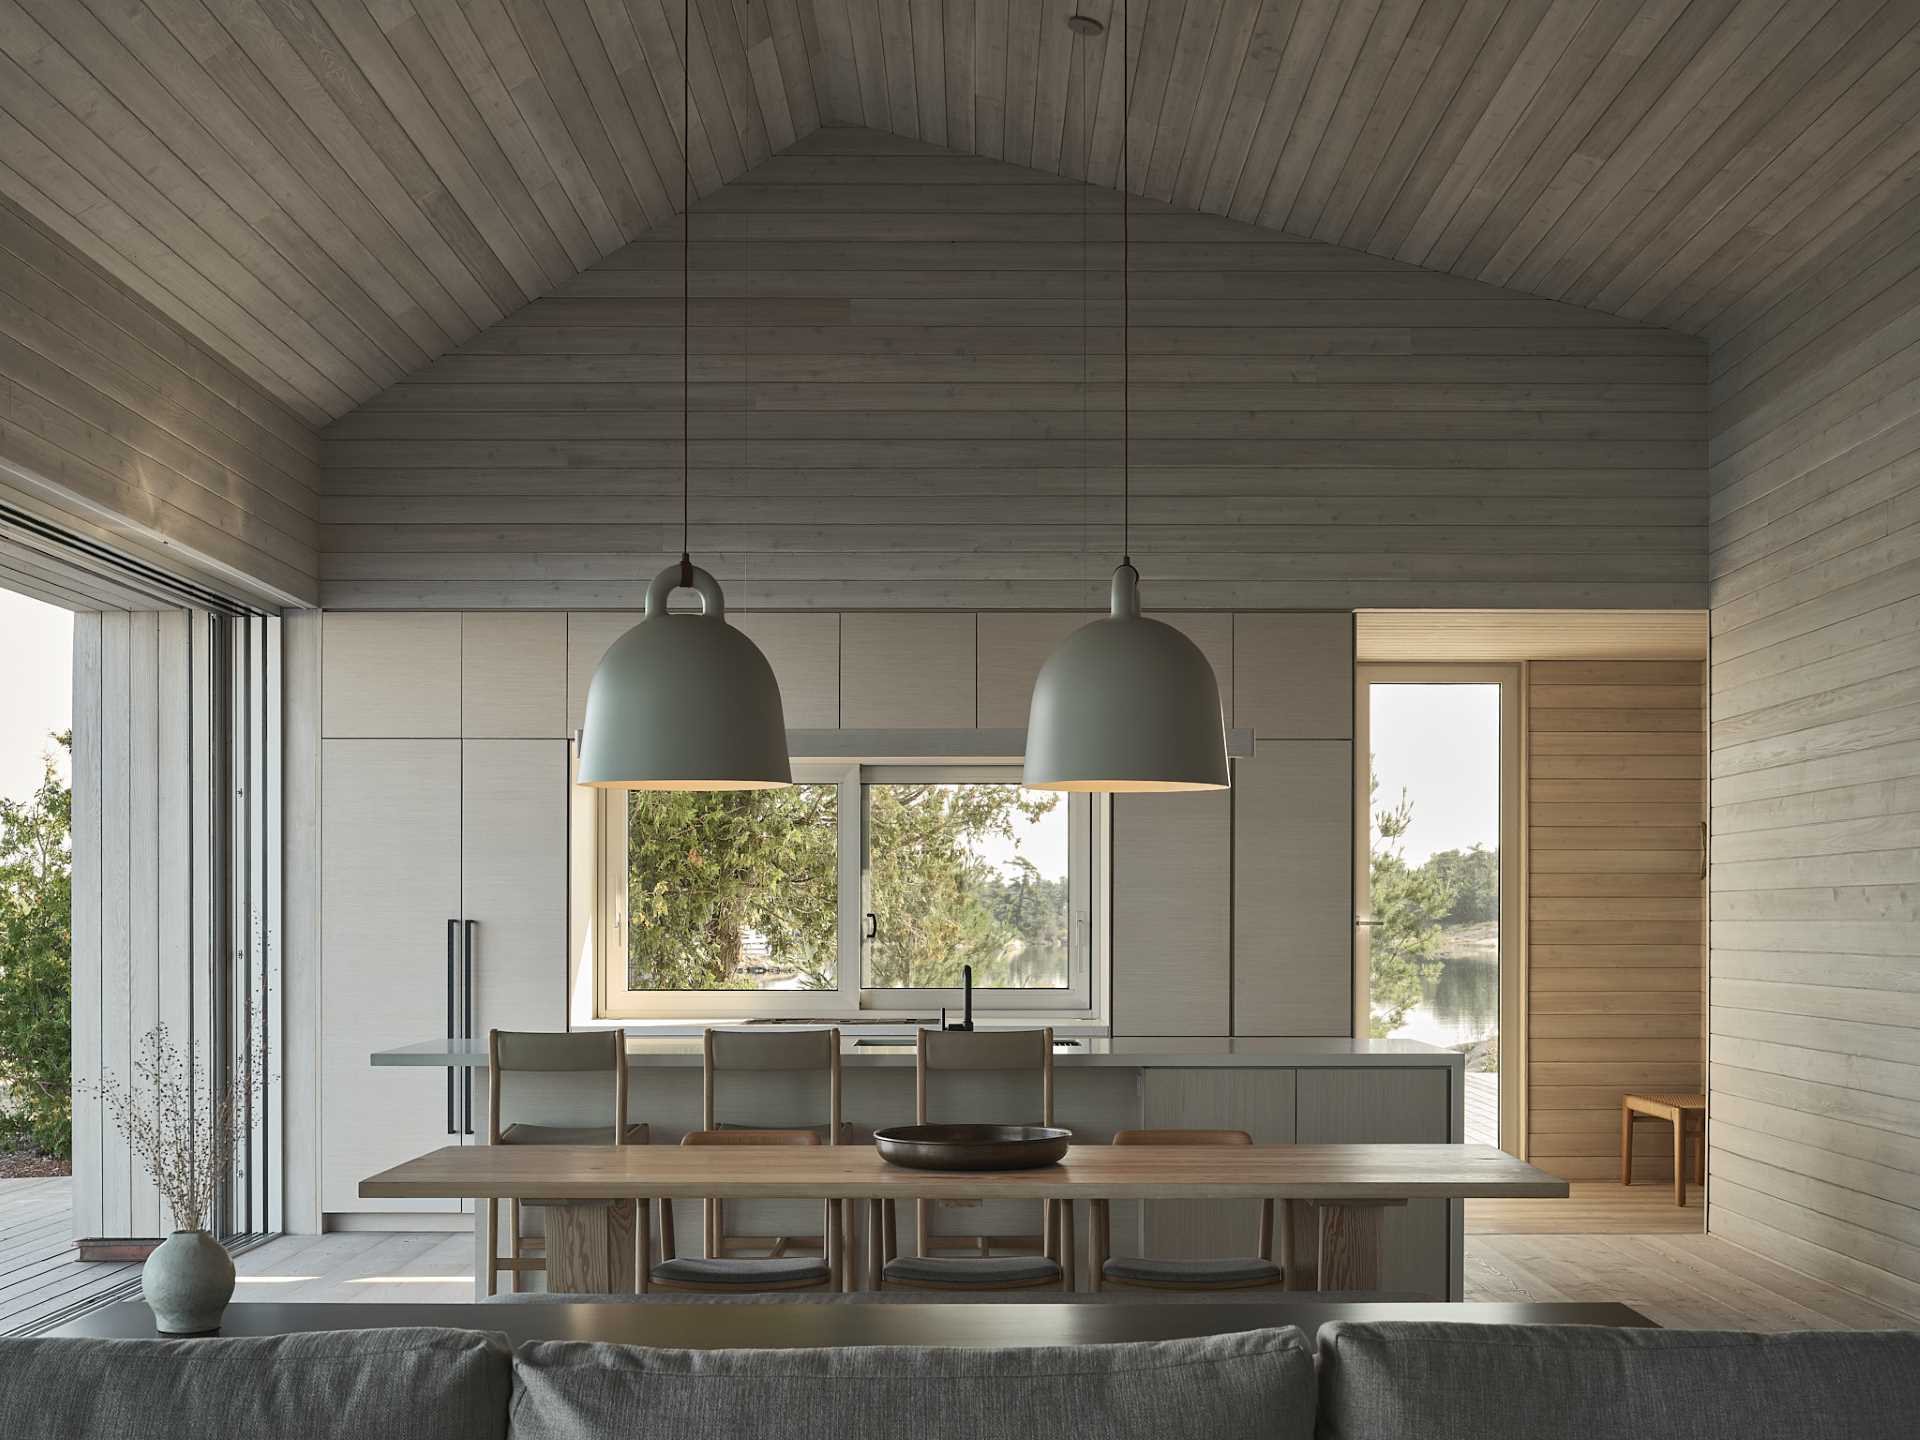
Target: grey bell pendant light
{"type": "Point", "coordinates": [1126, 703]}
{"type": "Point", "coordinates": [684, 702]}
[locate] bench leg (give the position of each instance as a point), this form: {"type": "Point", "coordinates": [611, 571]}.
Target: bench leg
{"type": "Point", "coordinates": [1626, 1146]}
{"type": "Point", "coordinates": [1679, 1159]}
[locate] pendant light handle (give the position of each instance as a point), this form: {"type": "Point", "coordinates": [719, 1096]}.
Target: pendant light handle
{"type": "Point", "coordinates": [1124, 598]}
{"type": "Point", "coordinates": [712, 604]}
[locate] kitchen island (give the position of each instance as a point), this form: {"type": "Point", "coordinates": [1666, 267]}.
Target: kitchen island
{"type": "Point", "coordinates": [1281, 1090]}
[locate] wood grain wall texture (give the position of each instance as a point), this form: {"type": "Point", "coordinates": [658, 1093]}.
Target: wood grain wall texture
{"type": "Point", "coordinates": [140, 867]}
{"type": "Point", "coordinates": [114, 423]}
{"type": "Point", "coordinates": [1815, 1021]}
{"type": "Point", "coordinates": [1616, 905]}
{"type": "Point", "coordinates": [892, 408]}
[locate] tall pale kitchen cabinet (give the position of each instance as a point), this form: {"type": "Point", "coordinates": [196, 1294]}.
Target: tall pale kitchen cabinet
{"type": "Point", "coordinates": [443, 871]}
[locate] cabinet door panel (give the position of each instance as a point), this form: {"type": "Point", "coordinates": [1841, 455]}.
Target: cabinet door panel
{"type": "Point", "coordinates": [1389, 1107]}
{"type": "Point", "coordinates": [1293, 675]}
{"type": "Point", "coordinates": [906, 672]}
{"type": "Point", "coordinates": [392, 675]}
{"type": "Point", "coordinates": [390, 868]}
{"type": "Point", "coordinates": [1293, 889]}
{"type": "Point", "coordinates": [513, 827]}
{"type": "Point", "coordinates": [1260, 1102]}
{"type": "Point", "coordinates": [1172, 857]}
{"type": "Point", "coordinates": [513, 675]}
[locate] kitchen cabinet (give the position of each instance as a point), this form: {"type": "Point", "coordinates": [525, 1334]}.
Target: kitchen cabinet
{"type": "Point", "coordinates": [1172, 936]}
{"type": "Point", "coordinates": [443, 866]}
{"type": "Point", "coordinates": [388, 676]}
{"type": "Point", "coordinates": [907, 672]}
{"type": "Point", "coordinates": [1260, 1102]}
{"type": "Point", "coordinates": [1397, 1106]}
{"type": "Point", "coordinates": [513, 676]}
{"type": "Point", "coordinates": [1293, 675]}
{"type": "Point", "coordinates": [1293, 889]}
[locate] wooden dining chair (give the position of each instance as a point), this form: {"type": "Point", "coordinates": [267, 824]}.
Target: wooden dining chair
{"type": "Point", "coordinates": [717, 1270]}
{"type": "Point", "coordinates": [938, 1052]}
{"type": "Point", "coordinates": [725, 1264]}
{"type": "Point", "coordinates": [551, 1088]}
{"type": "Point", "coordinates": [1138, 1272]}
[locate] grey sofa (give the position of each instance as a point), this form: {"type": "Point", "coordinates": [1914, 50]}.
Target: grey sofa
{"type": "Point", "coordinates": [1389, 1381]}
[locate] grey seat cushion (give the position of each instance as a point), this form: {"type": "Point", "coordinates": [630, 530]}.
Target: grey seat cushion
{"type": "Point", "coordinates": [1542, 1382]}
{"type": "Point", "coordinates": [1225, 1387]}
{"type": "Point", "coordinates": [339, 1385]}
{"type": "Point", "coordinates": [1250, 1270]}
{"type": "Point", "coordinates": [972, 1270]}
{"type": "Point", "coordinates": [569, 1134]}
{"type": "Point", "coordinates": [788, 1270]}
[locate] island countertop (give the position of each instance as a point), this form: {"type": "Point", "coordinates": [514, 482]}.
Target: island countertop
{"type": "Point", "coordinates": [1093, 1052]}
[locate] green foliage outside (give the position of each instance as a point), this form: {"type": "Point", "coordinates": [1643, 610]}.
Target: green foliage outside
{"type": "Point", "coordinates": [939, 906]}
{"type": "Point", "coordinates": [730, 889]}
{"type": "Point", "coordinates": [1412, 908]}
{"type": "Point", "coordinates": [36, 968]}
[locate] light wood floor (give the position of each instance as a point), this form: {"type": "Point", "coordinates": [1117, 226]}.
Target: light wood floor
{"type": "Point", "coordinates": [39, 1276]}
{"type": "Point", "coordinates": [1596, 1207]}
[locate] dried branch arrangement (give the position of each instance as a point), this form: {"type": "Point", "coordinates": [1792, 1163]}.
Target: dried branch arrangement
{"type": "Point", "coordinates": [186, 1131]}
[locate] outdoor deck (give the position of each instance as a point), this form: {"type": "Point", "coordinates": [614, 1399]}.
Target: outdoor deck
{"type": "Point", "coordinates": [40, 1275]}
{"type": "Point", "coordinates": [1483, 1108]}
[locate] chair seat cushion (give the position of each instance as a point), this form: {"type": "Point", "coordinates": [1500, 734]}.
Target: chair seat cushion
{"type": "Point", "coordinates": [745, 1272]}
{"type": "Point", "coordinates": [972, 1270]}
{"type": "Point", "coordinates": [1234, 1270]}
{"type": "Point", "coordinates": [569, 1135]}
{"type": "Point", "coordinates": [1255, 1385]}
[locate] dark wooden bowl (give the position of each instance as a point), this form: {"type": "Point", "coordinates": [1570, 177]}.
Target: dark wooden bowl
{"type": "Point", "coordinates": [972, 1147]}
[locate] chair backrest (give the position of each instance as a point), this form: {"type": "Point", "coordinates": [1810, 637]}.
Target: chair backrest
{"type": "Point", "coordinates": [1264, 1237]}
{"type": "Point", "coordinates": [812, 1050]}
{"type": "Point", "coordinates": [1182, 1137]}
{"type": "Point", "coordinates": [571, 1077]}
{"type": "Point", "coordinates": [977, 1050]}
{"type": "Point", "coordinates": [715, 1239]}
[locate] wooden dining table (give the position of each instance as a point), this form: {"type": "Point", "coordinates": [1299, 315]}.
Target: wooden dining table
{"type": "Point", "coordinates": [595, 1227]}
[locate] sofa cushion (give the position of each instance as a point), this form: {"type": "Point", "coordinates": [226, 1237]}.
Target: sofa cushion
{"type": "Point", "coordinates": [1542, 1382]}
{"type": "Point", "coordinates": [1257, 1383]}
{"type": "Point", "coordinates": [336, 1385]}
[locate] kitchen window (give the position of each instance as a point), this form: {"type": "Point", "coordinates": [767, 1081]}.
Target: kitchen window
{"type": "Point", "coordinates": [860, 889]}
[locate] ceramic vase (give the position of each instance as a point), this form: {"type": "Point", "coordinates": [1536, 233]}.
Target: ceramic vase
{"type": "Point", "coordinates": [187, 1283]}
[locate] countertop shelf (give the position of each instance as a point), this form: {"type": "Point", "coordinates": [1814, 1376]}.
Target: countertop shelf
{"type": "Point", "coordinates": [1265, 1052]}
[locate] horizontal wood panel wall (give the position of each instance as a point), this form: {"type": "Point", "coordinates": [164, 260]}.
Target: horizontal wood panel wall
{"type": "Point", "coordinates": [893, 415]}
{"type": "Point", "coordinates": [116, 424]}
{"type": "Point", "coordinates": [140, 868]}
{"type": "Point", "coordinates": [1616, 905]}
{"type": "Point", "coordinates": [1815, 1023]}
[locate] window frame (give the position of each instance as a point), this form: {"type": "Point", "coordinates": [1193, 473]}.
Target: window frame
{"type": "Point", "coordinates": [1087, 854]}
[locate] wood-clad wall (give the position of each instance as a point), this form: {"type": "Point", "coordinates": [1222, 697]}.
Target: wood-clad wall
{"type": "Point", "coordinates": [1616, 925]}
{"type": "Point", "coordinates": [117, 425]}
{"type": "Point", "coordinates": [140, 874]}
{"type": "Point", "coordinates": [1815, 1020]}
{"type": "Point", "coordinates": [894, 418]}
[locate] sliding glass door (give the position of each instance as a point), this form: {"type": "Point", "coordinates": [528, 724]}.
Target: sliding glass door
{"type": "Point", "coordinates": [1438, 944]}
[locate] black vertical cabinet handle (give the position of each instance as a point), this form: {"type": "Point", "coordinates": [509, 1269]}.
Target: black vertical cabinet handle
{"type": "Point", "coordinates": [466, 984]}
{"type": "Point", "coordinates": [453, 939]}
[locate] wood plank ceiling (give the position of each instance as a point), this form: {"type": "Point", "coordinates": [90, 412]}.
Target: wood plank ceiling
{"type": "Point", "coordinates": [329, 193]}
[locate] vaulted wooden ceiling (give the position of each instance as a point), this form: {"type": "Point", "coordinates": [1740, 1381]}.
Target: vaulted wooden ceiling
{"type": "Point", "coordinates": [331, 192]}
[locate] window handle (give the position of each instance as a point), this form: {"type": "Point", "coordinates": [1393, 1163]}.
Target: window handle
{"type": "Point", "coordinates": [873, 925]}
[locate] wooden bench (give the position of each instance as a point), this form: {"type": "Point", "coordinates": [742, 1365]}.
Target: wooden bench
{"type": "Point", "coordinates": [1688, 1116]}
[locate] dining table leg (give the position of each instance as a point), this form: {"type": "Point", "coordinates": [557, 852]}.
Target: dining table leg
{"type": "Point", "coordinates": [1351, 1233]}
{"type": "Point", "coordinates": [591, 1248]}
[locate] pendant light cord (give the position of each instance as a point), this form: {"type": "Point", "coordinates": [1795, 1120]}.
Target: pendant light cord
{"type": "Point", "coordinates": [1126, 285]}
{"type": "Point", "coordinates": [686, 293]}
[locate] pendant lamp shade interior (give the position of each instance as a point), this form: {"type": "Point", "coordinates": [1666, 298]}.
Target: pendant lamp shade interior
{"type": "Point", "coordinates": [1126, 704]}
{"type": "Point", "coordinates": [684, 702]}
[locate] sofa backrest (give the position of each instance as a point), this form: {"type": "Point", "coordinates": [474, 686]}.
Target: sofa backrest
{"type": "Point", "coordinates": [1255, 1385]}
{"type": "Point", "coordinates": [331, 1385]}
{"type": "Point", "coordinates": [1435, 1381]}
